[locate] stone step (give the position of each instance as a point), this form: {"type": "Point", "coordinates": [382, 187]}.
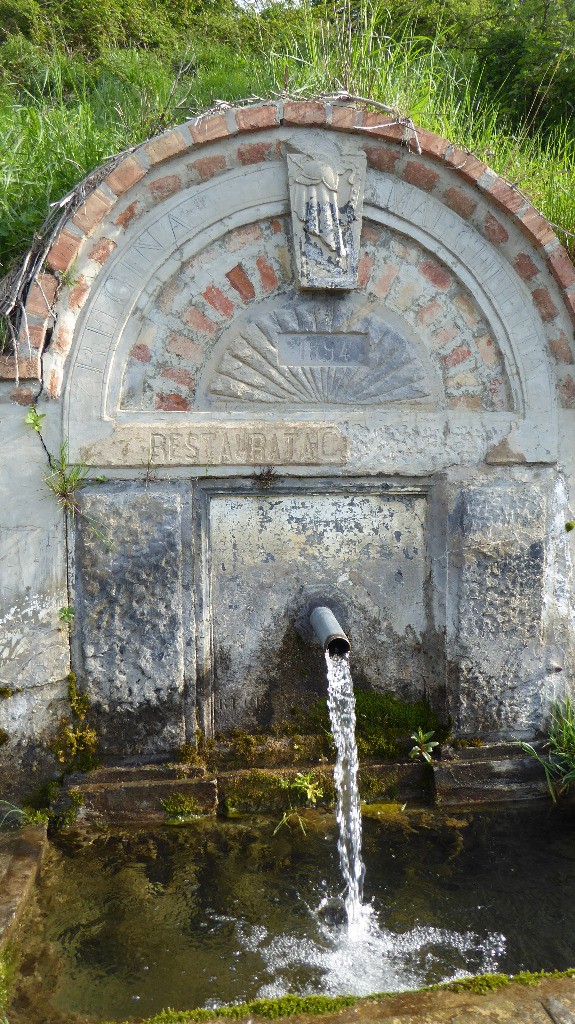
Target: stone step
{"type": "Point", "coordinates": [488, 780]}
{"type": "Point", "coordinates": [488, 751]}
{"type": "Point", "coordinates": [139, 773]}
{"type": "Point", "coordinates": [134, 799]}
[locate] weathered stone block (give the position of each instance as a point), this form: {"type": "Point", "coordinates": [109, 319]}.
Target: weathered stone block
{"type": "Point", "coordinates": [130, 615]}
{"type": "Point", "coordinates": [499, 656]}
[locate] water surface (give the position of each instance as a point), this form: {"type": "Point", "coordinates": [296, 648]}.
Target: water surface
{"type": "Point", "coordinates": [224, 911]}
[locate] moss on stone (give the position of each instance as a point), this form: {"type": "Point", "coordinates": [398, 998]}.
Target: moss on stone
{"type": "Point", "coordinates": [181, 807]}
{"type": "Point", "coordinates": [190, 755]}
{"type": "Point", "coordinates": [291, 1005]}
{"type": "Point", "coordinates": [7, 970]}
{"type": "Point", "coordinates": [7, 691]}
{"type": "Point", "coordinates": [481, 984]}
{"type": "Point", "coordinates": [383, 722]}
{"type": "Point", "coordinates": [378, 787]}
{"type": "Point", "coordinates": [4, 737]}
{"type": "Point", "coordinates": [271, 1009]}
{"type": "Point", "coordinates": [257, 790]}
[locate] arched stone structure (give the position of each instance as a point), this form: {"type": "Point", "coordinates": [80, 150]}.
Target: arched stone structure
{"type": "Point", "coordinates": [412, 383]}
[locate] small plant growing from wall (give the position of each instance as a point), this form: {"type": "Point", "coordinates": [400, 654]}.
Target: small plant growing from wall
{"type": "Point", "coordinates": [304, 790]}
{"type": "Point", "coordinates": [424, 745]}
{"type": "Point", "coordinates": [559, 763]}
{"type": "Point", "coordinates": [65, 479]}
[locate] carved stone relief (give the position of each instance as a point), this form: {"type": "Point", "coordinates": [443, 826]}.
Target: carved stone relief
{"type": "Point", "coordinates": [326, 194]}
{"type": "Point", "coordinates": [314, 354]}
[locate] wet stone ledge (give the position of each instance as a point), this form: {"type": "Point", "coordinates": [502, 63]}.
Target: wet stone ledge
{"type": "Point", "coordinates": [21, 855]}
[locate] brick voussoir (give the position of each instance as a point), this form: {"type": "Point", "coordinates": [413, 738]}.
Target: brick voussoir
{"type": "Point", "coordinates": [561, 267]}
{"type": "Point", "coordinates": [208, 129]}
{"type": "Point", "coordinates": [253, 119]}
{"type": "Point", "coordinates": [125, 175]}
{"type": "Point", "coordinates": [92, 211]}
{"type": "Point", "coordinates": [432, 145]}
{"type": "Point", "coordinates": [165, 146]}
{"type": "Point", "coordinates": [308, 112]}
{"type": "Point", "coordinates": [65, 249]}
{"type": "Point", "coordinates": [344, 118]}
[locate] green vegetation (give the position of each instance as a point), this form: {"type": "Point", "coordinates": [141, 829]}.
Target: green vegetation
{"type": "Point", "coordinates": [181, 807]}
{"type": "Point", "coordinates": [302, 789]}
{"type": "Point", "coordinates": [75, 744]}
{"type": "Point", "coordinates": [270, 1009]}
{"type": "Point", "coordinates": [11, 815]}
{"type": "Point", "coordinates": [257, 790]}
{"type": "Point", "coordinates": [383, 723]}
{"type": "Point", "coordinates": [81, 82]}
{"type": "Point", "coordinates": [289, 1006]}
{"type": "Point", "coordinates": [559, 763]}
{"type": "Point", "coordinates": [7, 968]}
{"type": "Point", "coordinates": [423, 745]}
{"type": "Point", "coordinates": [65, 479]}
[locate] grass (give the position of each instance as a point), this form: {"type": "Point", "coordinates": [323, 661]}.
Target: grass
{"type": "Point", "coordinates": [424, 79]}
{"type": "Point", "coordinates": [62, 112]}
{"type": "Point", "coordinates": [61, 116]}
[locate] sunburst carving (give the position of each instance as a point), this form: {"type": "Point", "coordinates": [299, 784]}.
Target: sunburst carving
{"type": "Point", "coordinates": [312, 353]}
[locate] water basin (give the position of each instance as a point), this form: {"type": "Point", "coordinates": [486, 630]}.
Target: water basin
{"type": "Point", "coordinates": [225, 911]}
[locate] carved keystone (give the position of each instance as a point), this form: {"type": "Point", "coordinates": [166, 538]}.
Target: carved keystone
{"type": "Point", "coordinates": [326, 195]}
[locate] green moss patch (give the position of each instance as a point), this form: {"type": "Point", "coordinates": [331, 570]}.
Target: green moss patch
{"type": "Point", "coordinates": [7, 969]}
{"type": "Point", "coordinates": [384, 723]}
{"type": "Point", "coordinates": [271, 1009]}
{"type": "Point", "coordinates": [291, 1005]}
{"type": "Point", "coordinates": [180, 807]}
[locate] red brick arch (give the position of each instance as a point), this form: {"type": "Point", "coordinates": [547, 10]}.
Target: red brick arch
{"type": "Point", "coordinates": [459, 180]}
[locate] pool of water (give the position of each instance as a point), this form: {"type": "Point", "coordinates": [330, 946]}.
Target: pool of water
{"type": "Point", "coordinates": [223, 911]}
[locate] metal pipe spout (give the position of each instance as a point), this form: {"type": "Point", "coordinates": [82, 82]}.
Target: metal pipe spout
{"type": "Point", "coordinates": [329, 632]}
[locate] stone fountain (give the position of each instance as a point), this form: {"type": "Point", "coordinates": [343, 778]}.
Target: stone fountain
{"type": "Point", "coordinates": [317, 362]}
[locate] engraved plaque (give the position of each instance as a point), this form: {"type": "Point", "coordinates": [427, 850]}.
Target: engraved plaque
{"type": "Point", "coordinates": [297, 444]}
{"type": "Point", "coordinates": [307, 349]}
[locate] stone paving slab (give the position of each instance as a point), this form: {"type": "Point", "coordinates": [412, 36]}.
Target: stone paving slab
{"type": "Point", "coordinates": [551, 1001]}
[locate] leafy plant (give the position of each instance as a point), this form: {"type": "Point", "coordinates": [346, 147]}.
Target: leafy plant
{"type": "Point", "coordinates": [304, 785]}
{"type": "Point", "coordinates": [65, 479]}
{"type": "Point", "coordinates": [66, 614]}
{"type": "Point", "coordinates": [8, 811]}
{"type": "Point", "coordinates": [559, 764]}
{"type": "Point", "coordinates": [306, 790]}
{"type": "Point", "coordinates": [424, 745]}
{"type": "Point", "coordinates": [34, 419]}
{"type": "Point", "coordinates": [27, 815]}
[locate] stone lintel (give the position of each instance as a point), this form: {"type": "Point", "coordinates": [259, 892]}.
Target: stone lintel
{"type": "Point", "coordinates": [253, 444]}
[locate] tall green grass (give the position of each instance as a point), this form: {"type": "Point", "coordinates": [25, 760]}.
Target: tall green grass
{"type": "Point", "coordinates": [63, 113]}
{"type": "Point", "coordinates": [423, 79]}
{"type": "Point", "coordinates": [62, 116]}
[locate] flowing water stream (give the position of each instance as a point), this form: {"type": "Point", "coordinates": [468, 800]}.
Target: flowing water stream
{"type": "Point", "coordinates": [341, 707]}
